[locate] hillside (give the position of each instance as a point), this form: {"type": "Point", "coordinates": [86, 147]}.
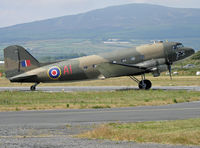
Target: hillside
{"type": "Point", "coordinates": [140, 21]}
{"type": "Point", "coordinates": [182, 66]}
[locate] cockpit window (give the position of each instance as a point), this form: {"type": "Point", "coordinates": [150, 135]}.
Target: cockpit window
{"type": "Point", "coordinates": [177, 46]}
{"type": "Point", "coordinates": [174, 47]}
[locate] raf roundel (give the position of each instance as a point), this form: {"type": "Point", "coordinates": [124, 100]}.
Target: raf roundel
{"type": "Point", "coordinates": [54, 73]}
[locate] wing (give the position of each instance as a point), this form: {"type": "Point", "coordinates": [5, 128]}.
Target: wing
{"type": "Point", "coordinates": [115, 69]}
{"type": "Point", "coordinates": [131, 65]}
{"type": "Point", "coordinates": [120, 69]}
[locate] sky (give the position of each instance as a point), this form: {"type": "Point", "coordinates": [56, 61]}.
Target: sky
{"type": "Point", "coordinates": [22, 11]}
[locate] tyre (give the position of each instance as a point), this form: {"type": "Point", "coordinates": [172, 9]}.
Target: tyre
{"type": "Point", "coordinates": [145, 84]}
{"type": "Point", "coordinates": [32, 88]}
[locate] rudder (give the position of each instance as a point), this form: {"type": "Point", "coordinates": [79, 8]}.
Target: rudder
{"type": "Point", "coordinates": [18, 60]}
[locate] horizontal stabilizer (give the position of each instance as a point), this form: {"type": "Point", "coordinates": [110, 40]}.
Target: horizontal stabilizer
{"type": "Point", "coordinates": [25, 78]}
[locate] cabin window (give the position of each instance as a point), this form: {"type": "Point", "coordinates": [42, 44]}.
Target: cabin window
{"type": "Point", "coordinates": [174, 47]}
{"type": "Point", "coordinates": [142, 57]}
{"type": "Point", "coordinates": [123, 60]}
{"type": "Point", "coordinates": [133, 59]}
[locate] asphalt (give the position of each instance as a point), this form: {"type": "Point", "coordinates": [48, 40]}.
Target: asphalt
{"type": "Point", "coordinates": [55, 128]}
{"type": "Point", "coordinates": [96, 88]}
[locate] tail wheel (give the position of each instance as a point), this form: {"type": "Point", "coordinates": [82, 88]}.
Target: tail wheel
{"type": "Point", "coordinates": [33, 87]}
{"type": "Point", "coordinates": [145, 84]}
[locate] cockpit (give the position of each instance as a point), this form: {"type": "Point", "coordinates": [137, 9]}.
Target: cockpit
{"type": "Point", "coordinates": [178, 51]}
{"type": "Point", "coordinates": [178, 46]}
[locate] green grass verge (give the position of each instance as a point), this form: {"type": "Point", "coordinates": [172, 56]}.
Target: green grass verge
{"type": "Point", "coordinates": [186, 132]}
{"type": "Point", "coordinates": [79, 100]}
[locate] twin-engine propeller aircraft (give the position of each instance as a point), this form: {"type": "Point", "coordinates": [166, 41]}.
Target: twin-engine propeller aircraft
{"type": "Point", "coordinates": [154, 58]}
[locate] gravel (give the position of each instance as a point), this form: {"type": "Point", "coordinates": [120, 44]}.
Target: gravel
{"type": "Point", "coordinates": [62, 137]}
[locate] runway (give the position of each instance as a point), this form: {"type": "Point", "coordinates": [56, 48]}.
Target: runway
{"type": "Point", "coordinates": [132, 114]}
{"type": "Point", "coordinates": [59, 125]}
{"type": "Point", "coordinates": [96, 88]}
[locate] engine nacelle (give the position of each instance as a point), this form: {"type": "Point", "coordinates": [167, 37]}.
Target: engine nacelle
{"type": "Point", "coordinates": [157, 70]}
{"type": "Point", "coordinates": [156, 66]}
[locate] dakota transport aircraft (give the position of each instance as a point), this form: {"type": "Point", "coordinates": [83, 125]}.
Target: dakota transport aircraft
{"type": "Point", "coordinates": [153, 58]}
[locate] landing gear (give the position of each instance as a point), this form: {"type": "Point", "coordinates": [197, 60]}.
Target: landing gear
{"type": "Point", "coordinates": [33, 87]}
{"type": "Point", "coordinates": [143, 84]}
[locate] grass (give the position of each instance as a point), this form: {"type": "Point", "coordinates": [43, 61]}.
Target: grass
{"type": "Point", "coordinates": [15, 101]}
{"type": "Point", "coordinates": [186, 132]}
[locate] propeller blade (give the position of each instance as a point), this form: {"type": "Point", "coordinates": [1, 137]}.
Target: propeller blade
{"type": "Point", "coordinates": [169, 64]}
{"type": "Point", "coordinates": [170, 71]}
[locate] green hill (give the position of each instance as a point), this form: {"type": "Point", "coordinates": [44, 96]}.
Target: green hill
{"type": "Point", "coordinates": [182, 66]}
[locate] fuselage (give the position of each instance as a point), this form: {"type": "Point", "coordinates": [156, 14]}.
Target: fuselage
{"type": "Point", "coordinates": [114, 64]}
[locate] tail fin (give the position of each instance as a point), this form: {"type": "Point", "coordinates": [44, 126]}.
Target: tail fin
{"type": "Point", "coordinates": [18, 60]}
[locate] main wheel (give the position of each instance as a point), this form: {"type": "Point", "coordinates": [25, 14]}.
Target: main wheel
{"type": "Point", "coordinates": [145, 84]}
{"type": "Point", "coordinates": [32, 88]}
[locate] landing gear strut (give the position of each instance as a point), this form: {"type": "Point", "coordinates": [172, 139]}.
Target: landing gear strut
{"type": "Point", "coordinates": [33, 87]}
{"type": "Point", "coordinates": [143, 84]}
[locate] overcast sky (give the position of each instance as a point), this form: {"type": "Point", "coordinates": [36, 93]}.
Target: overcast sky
{"type": "Point", "coordinates": [20, 11]}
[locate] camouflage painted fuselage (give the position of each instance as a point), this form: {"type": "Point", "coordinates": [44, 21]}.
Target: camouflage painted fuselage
{"type": "Point", "coordinates": [128, 62]}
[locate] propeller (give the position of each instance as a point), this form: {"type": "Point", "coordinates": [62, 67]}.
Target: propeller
{"type": "Point", "coordinates": [169, 65]}
{"type": "Point", "coordinates": [170, 70]}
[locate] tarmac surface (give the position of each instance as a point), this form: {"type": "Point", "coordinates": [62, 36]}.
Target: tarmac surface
{"type": "Point", "coordinates": [55, 128]}
{"type": "Point", "coordinates": [96, 88]}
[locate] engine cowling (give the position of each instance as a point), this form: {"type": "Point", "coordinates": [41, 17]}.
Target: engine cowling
{"type": "Point", "coordinates": [157, 70]}
{"type": "Point", "coordinates": [156, 66]}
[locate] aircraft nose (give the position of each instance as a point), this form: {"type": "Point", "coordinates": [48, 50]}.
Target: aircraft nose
{"type": "Point", "coordinates": [190, 51]}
